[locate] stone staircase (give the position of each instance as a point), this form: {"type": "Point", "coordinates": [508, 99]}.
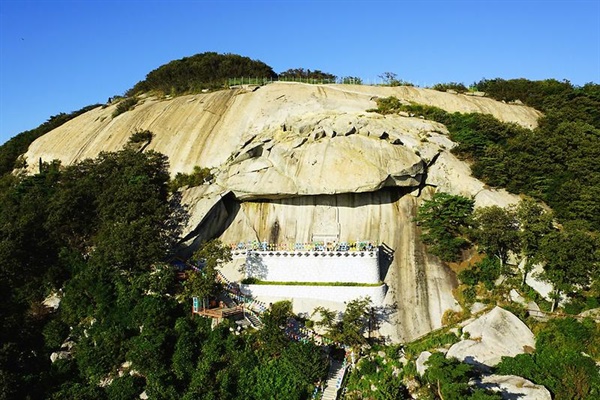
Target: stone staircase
{"type": "Point", "coordinates": [334, 380]}
{"type": "Point", "coordinates": [257, 323]}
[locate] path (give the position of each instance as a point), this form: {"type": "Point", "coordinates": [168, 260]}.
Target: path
{"type": "Point", "coordinates": [334, 380]}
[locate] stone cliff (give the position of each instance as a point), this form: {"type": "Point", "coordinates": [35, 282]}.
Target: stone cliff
{"type": "Point", "coordinates": [294, 161]}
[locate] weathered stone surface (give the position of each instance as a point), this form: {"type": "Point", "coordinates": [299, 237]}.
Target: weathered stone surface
{"type": "Point", "coordinates": [493, 335]}
{"type": "Point", "coordinates": [517, 298]}
{"type": "Point", "coordinates": [593, 313]}
{"type": "Point", "coordinates": [422, 361]}
{"type": "Point", "coordinates": [453, 176]}
{"type": "Point", "coordinates": [60, 355]}
{"type": "Point", "coordinates": [477, 307]}
{"type": "Point", "coordinates": [204, 129]}
{"type": "Point", "coordinates": [205, 211]}
{"type": "Point", "coordinates": [513, 387]}
{"type": "Point", "coordinates": [52, 301]}
{"type": "Point", "coordinates": [328, 166]}
{"type": "Point", "coordinates": [293, 161]}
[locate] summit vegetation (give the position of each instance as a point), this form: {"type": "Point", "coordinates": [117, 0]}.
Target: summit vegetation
{"type": "Point", "coordinates": [201, 71]}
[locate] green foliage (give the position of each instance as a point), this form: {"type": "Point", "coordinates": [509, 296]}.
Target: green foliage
{"type": "Point", "coordinates": [203, 283]}
{"type": "Point", "coordinates": [449, 379]}
{"type": "Point", "coordinates": [534, 223]}
{"type": "Point", "coordinates": [14, 147]}
{"type": "Point", "coordinates": [302, 74]}
{"type": "Point", "coordinates": [255, 281]}
{"type": "Point", "coordinates": [377, 378]}
{"type": "Point", "coordinates": [141, 137]}
{"type": "Point", "coordinates": [486, 271]}
{"type": "Point", "coordinates": [200, 71]}
{"type": "Point", "coordinates": [271, 335]}
{"type": "Point", "coordinates": [198, 177]}
{"type": "Point", "coordinates": [456, 86]}
{"type": "Point", "coordinates": [571, 258]}
{"type": "Point", "coordinates": [352, 80]}
{"type": "Point", "coordinates": [496, 231]}
{"type": "Point", "coordinates": [328, 319]}
{"type": "Point", "coordinates": [532, 93]}
{"type": "Point", "coordinates": [559, 362]}
{"type": "Point", "coordinates": [125, 387]}
{"type": "Point", "coordinates": [444, 220]}
{"type": "Point", "coordinates": [125, 105]}
{"type": "Point", "coordinates": [354, 322]}
{"type": "Point", "coordinates": [556, 162]}
{"type": "Point", "coordinates": [391, 79]}
{"type": "Point", "coordinates": [430, 341]}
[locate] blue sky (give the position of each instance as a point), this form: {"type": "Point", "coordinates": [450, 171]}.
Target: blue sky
{"type": "Point", "coordinates": [58, 56]}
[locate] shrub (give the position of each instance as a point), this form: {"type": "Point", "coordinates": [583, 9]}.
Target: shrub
{"type": "Point", "coordinates": [125, 105]}
{"type": "Point", "coordinates": [198, 176]}
{"type": "Point", "coordinates": [444, 87]}
{"type": "Point", "coordinates": [141, 137]}
{"type": "Point", "coordinates": [485, 271]}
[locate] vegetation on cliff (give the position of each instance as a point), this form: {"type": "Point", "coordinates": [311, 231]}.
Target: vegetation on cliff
{"type": "Point", "coordinates": [201, 71]}
{"type": "Point", "coordinates": [557, 162]}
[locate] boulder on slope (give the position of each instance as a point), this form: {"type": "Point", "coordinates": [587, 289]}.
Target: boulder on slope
{"type": "Point", "coordinates": [513, 387]}
{"type": "Point", "coordinates": [495, 334]}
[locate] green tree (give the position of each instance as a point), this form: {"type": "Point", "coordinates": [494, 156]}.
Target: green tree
{"type": "Point", "coordinates": [563, 360]}
{"type": "Point", "coordinates": [571, 259]}
{"type": "Point", "coordinates": [354, 322]}
{"type": "Point", "coordinates": [497, 231]}
{"type": "Point", "coordinates": [444, 220]}
{"type": "Point", "coordinates": [271, 335]}
{"type": "Point", "coordinates": [328, 319]}
{"type": "Point", "coordinates": [209, 257]}
{"type": "Point", "coordinates": [200, 71]}
{"type": "Point", "coordinates": [448, 377]}
{"type": "Point", "coordinates": [535, 223]}
{"type": "Point", "coordinates": [352, 80]}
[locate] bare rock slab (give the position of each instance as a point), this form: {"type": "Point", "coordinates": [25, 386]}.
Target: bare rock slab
{"type": "Point", "coordinates": [493, 335]}
{"type": "Point", "coordinates": [513, 387]}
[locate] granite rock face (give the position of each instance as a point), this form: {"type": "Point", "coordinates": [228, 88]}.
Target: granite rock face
{"type": "Point", "coordinates": [495, 334]}
{"type": "Point", "coordinates": [292, 162]}
{"type": "Point", "coordinates": [513, 387]}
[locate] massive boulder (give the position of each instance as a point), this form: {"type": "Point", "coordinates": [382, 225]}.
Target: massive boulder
{"type": "Point", "coordinates": [492, 336]}
{"type": "Point", "coordinates": [294, 161]}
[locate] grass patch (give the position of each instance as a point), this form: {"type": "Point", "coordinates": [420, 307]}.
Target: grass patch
{"type": "Point", "coordinates": [125, 105]}
{"type": "Point", "coordinates": [433, 340]}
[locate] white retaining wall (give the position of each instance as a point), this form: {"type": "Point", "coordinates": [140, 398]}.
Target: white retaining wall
{"type": "Point", "coordinates": [337, 294]}
{"type": "Point", "coordinates": [314, 266]}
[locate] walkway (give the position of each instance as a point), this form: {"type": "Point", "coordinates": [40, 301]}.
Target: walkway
{"type": "Point", "coordinates": [334, 380]}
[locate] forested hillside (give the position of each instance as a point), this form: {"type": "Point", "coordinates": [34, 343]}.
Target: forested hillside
{"type": "Point", "coordinates": [99, 233]}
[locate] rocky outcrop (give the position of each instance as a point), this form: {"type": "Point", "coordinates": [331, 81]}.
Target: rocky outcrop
{"type": "Point", "coordinates": [493, 335]}
{"type": "Point", "coordinates": [293, 162]}
{"type": "Point", "coordinates": [421, 362]}
{"type": "Point", "coordinates": [205, 129]}
{"type": "Point", "coordinates": [512, 387]}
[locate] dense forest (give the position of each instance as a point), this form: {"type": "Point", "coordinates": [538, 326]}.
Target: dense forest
{"type": "Point", "coordinates": [100, 234]}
